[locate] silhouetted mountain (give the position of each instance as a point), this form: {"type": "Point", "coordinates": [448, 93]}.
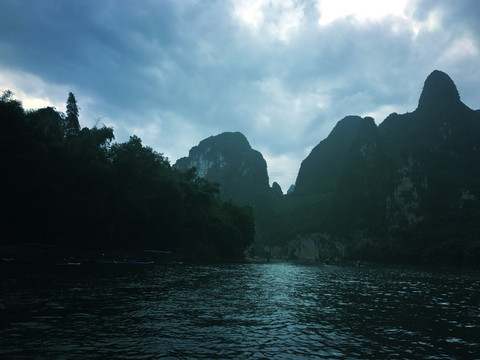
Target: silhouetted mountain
{"type": "Point", "coordinates": [407, 190]}
{"type": "Point", "coordinates": [228, 159]}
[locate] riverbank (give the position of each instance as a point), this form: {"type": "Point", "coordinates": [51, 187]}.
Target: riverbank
{"type": "Point", "coordinates": [53, 254]}
{"type": "Point", "coordinates": [50, 253]}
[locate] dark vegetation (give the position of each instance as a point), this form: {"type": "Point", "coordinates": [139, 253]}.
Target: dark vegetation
{"type": "Point", "coordinates": [76, 188]}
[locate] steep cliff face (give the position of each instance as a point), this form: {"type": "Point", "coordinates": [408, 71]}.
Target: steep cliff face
{"type": "Point", "coordinates": [413, 182]}
{"type": "Point", "coordinates": [228, 159]}
{"type": "Point", "coordinates": [434, 156]}
{"type": "Point", "coordinates": [316, 247]}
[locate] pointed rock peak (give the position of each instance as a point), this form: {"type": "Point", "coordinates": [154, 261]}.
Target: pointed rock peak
{"type": "Point", "coordinates": [276, 188]}
{"type": "Point", "coordinates": [438, 91]}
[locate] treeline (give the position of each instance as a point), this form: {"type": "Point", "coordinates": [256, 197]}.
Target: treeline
{"type": "Point", "coordinates": [76, 187]}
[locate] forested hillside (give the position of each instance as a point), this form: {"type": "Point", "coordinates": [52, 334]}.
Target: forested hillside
{"type": "Point", "coordinates": [77, 188]}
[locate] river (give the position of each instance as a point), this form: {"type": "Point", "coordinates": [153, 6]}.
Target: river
{"type": "Point", "coordinates": [239, 311]}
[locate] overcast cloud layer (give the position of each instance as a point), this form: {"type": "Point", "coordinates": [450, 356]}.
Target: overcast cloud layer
{"type": "Point", "coordinates": [282, 72]}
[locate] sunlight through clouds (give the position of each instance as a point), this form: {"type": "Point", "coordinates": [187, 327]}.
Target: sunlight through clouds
{"type": "Point", "coordinates": [430, 24]}
{"type": "Point", "coordinates": [399, 13]}
{"type": "Point", "coordinates": [35, 93]}
{"type": "Point", "coordinates": [279, 18]}
{"type": "Point", "coordinates": [361, 11]}
{"type": "Point", "coordinates": [32, 91]}
{"type": "Point", "coordinates": [250, 12]}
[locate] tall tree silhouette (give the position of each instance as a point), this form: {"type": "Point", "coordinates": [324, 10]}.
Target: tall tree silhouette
{"type": "Point", "coordinates": [72, 126]}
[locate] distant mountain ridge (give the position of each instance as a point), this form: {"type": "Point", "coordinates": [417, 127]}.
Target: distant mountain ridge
{"type": "Point", "coordinates": [406, 190]}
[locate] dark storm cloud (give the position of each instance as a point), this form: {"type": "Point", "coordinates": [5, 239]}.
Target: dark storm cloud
{"type": "Point", "coordinates": [100, 46]}
{"type": "Point", "coordinates": [175, 72]}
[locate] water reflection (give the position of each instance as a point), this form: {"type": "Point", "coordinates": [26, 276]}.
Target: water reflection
{"type": "Point", "coordinates": [287, 311]}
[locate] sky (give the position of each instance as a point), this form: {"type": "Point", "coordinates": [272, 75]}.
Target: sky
{"type": "Point", "coordinates": [282, 72]}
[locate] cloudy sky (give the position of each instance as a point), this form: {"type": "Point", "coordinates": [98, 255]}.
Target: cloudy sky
{"type": "Point", "coordinates": [282, 72]}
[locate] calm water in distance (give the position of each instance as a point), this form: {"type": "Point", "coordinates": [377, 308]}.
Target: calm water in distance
{"type": "Point", "coordinates": [240, 311]}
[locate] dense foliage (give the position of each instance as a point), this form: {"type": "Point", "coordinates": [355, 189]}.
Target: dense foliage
{"type": "Point", "coordinates": [74, 187]}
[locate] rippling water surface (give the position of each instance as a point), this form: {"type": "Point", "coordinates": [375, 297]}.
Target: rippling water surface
{"type": "Point", "coordinates": [275, 311]}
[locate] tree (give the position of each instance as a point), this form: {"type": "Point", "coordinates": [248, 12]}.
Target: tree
{"type": "Point", "coordinates": [7, 96]}
{"type": "Point", "coordinates": [12, 116]}
{"type": "Point", "coordinates": [46, 124]}
{"type": "Point", "coordinates": [72, 126]}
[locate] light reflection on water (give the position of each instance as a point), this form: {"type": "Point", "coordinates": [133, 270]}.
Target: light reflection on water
{"type": "Point", "coordinates": [281, 311]}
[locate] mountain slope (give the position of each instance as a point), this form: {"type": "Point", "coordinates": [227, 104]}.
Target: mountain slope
{"type": "Point", "coordinates": [321, 170]}
{"type": "Point", "coordinates": [407, 190]}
